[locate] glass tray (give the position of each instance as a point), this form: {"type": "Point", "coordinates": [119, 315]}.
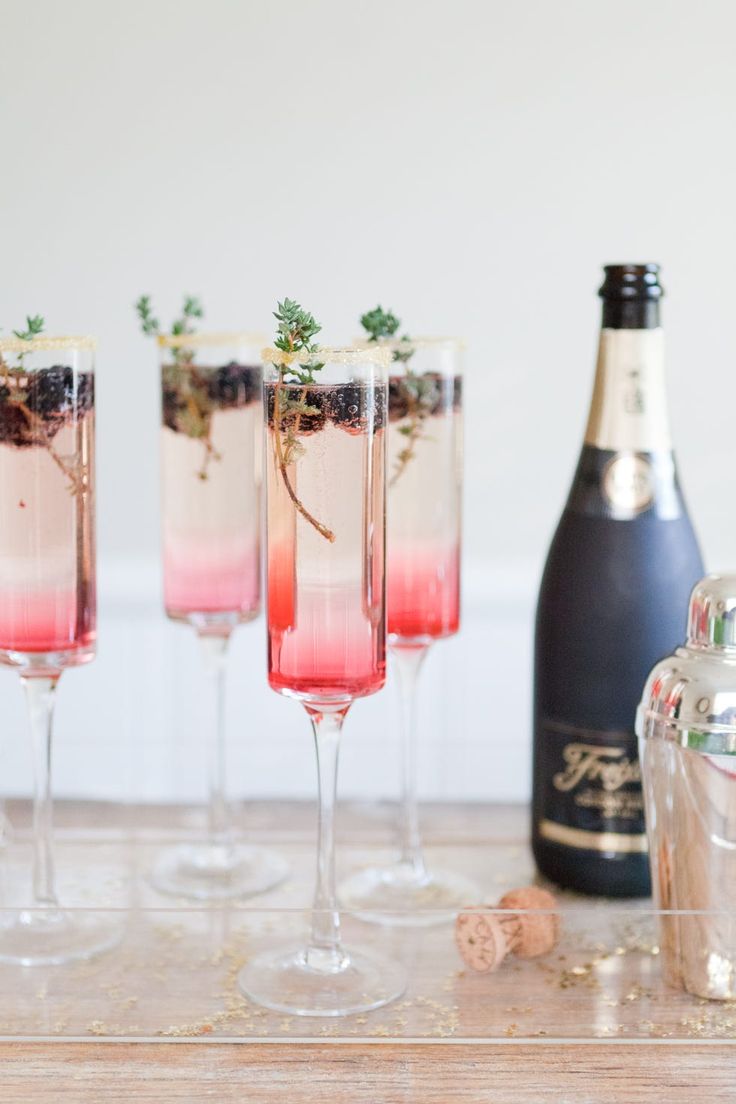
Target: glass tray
{"type": "Point", "coordinates": [173, 976]}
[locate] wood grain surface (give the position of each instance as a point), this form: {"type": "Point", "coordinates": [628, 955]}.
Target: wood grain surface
{"type": "Point", "coordinates": [431, 1074]}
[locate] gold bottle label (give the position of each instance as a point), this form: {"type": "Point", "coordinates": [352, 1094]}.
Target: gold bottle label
{"type": "Point", "coordinates": [592, 793]}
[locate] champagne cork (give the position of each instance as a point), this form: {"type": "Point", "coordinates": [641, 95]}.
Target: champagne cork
{"type": "Point", "coordinates": [484, 938]}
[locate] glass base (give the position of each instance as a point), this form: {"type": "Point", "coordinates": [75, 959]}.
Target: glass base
{"type": "Point", "coordinates": [211, 872]}
{"type": "Point", "coordinates": [399, 895]}
{"type": "Point", "coordinates": [318, 983]}
{"type": "Point", "coordinates": [52, 937]}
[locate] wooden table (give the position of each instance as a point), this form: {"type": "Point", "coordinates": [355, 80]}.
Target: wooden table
{"type": "Point", "coordinates": [191, 1074]}
{"type": "Point", "coordinates": [519, 1071]}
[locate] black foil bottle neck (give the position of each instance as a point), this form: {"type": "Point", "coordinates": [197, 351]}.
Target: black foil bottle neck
{"type": "Point", "coordinates": [631, 314]}
{"type": "Point", "coordinates": [631, 295]}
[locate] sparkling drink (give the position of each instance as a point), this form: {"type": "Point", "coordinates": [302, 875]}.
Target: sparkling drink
{"type": "Point", "coordinates": [423, 599]}
{"type": "Point", "coordinates": [425, 476]}
{"type": "Point", "coordinates": [47, 539]}
{"type": "Point", "coordinates": [326, 630]}
{"type": "Point", "coordinates": [47, 592]}
{"type": "Point", "coordinates": [211, 463]}
{"type": "Point", "coordinates": [325, 483]}
{"type": "Point", "coordinates": [211, 491]}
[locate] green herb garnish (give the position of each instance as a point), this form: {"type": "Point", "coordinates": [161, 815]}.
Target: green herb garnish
{"type": "Point", "coordinates": [296, 329]}
{"type": "Point", "coordinates": [34, 327]}
{"type": "Point", "coordinates": [379, 324]}
{"type": "Point", "coordinates": [190, 397]}
{"type": "Point", "coordinates": [151, 327]}
{"type": "Point", "coordinates": [417, 391]}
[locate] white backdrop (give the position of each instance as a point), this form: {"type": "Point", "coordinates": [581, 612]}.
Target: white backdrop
{"type": "Point", "coordinates": [470, 165]}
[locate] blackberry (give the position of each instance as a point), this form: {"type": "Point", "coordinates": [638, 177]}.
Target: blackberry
{"type": "Point", "coordinates": [398, 402]}
{"type": "Point", "coordinates": [53, 394]}
{"type": "Point", "coordinates": [308, 423]}
{"type": "Point", "coordinates": [15, 428]}
{"type": "Point", "coordinates": [56, 393]}
{"type": "Point", "coordinates": [234, 385]}
{"type": "Point", "coordinates": [349, 407]}
{"type": "Point", "coordinates": [426, 394]}
{"type": "Point", "coordinates": [171, 404]}
{"type": "Point", "coordinates": [346, 406]}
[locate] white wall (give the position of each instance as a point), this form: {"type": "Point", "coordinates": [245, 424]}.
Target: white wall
{"type": "Point", "coordinates": [469, 164]}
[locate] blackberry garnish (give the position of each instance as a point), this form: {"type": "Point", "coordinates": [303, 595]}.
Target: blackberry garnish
{"type": "Point", "coordinates": [398, 403]}
{"type": "Point", "coordinates": [234, 385]}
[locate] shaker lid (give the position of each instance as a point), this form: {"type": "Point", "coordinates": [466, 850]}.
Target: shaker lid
{"type": "Point", "coordinates": [712, 616]}
{"type": "Point", "coordinates": [690, 696]}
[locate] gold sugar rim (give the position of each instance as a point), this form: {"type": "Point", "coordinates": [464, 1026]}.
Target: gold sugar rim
{"type": "Point", "coordinates": [411, 344]}
{"type": "Point", "coordinates": [331, 354]}
{"type": "Point", "coordinates": [236, 337]}
{"type": "Point", "coordinates": [45, 344]}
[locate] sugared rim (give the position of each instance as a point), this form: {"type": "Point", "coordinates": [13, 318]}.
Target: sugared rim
{"type": "Point", "coordinates": [237, 337]}
{"type": "Point", "coordinates": [330, 354]}
{"type": "Point", "coordinates": [411, 344]}
{"type": "Point", "coordinates": [45, 344]}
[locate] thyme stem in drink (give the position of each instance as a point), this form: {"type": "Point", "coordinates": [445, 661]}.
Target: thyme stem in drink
{"type": "Point", "coordinates": [15, 396]}
{"type": "Point", "coordinates": [296, 329]}
{"type": "Point", "coordinates": [195, 406]}
{"type": "Point", "coordinates": [382, 324]}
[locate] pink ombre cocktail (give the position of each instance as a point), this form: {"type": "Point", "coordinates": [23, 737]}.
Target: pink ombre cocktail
{"type": "Point", "coordinates": [424, 504]}
{"type": "Point", "coordinates": [47, 539]}
{"type": "Point", "coordinates": [325, 412]}
{"type": "Point", "coordinates": [211, 462]}
{"type": "Point", "coordinates": [47, 592]}
{"type": "Point", "coordinates": [326, 629]}
{"type": "Point", "coordinates": [211, 441]}
{"type": "Point", "coordinates": [423, 598]}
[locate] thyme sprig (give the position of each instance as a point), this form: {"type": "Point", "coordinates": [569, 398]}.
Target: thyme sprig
{"type": "Point", "coordinates": [417, 391]}
{"type": "Point", "coordinates": [151, 327]}
{"type": "Point", "coordinates": [34, 327]}
{"type": "Point", "coordinates": [194, 417]}
{"type": "Point", "coordinates": [17, 398]}
{"type": "Point", "coordinates": [294, 336]}
{"type": "Point", "coordinates": [379, 324]}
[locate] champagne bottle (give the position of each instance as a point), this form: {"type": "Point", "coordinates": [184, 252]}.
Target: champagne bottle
{"type": "Point", "coordinates": [613, 601]}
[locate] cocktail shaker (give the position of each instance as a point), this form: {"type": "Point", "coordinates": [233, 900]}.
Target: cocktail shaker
{"type": "Point", "coordinates": [686, 724]}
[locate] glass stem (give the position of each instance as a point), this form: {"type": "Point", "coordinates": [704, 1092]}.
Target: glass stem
{"type": "Point", "coordinates": [324, 951]}
{"type": "Point", "coordinates": [408, 661]}
{"type": "Point", "coordinates": [214, 653]}
{"type": "Point", "coordinates": [40, 693]}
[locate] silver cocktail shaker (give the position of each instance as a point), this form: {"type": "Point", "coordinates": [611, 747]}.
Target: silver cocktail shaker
{"type": "Point", "coordinates": [686, 724]}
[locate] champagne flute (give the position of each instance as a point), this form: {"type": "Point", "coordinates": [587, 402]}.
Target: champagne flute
{"type": "Point", "coordinates": [211, 461]}
{"type": "Point", "coordinates": [325, 481]}
{"type": "Point", "coordinates": [47, 593]}
{"type": "Point", "coordinates": [423, 600]}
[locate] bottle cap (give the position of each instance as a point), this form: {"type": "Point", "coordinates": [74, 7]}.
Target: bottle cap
{"type": "Point", "coordinates": [631, 282]}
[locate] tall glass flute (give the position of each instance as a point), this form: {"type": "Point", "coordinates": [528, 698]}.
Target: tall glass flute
{"type": "Point", "coordinates": [47, 593]}
{"type": "Point", "coordinates": [423, 585]}
{"type": "Point", "coordinates": [325, 480]}
{"type": "Point", "coordinates": [211, 446]}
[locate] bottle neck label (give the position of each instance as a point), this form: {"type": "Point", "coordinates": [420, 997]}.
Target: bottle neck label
{"type": "Point", "coordinates": [622, 486]}
{"type": "Point", "coordinates": [628, 412]}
